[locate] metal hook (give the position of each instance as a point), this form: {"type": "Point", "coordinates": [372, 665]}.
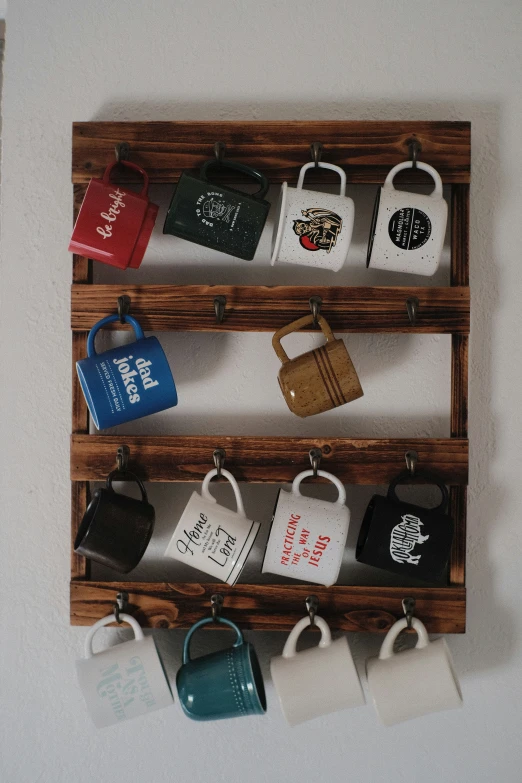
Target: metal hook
{"type": "Point", "coordinates": [415, 149]}
{"type": "Point", "coordinates": [122, 151]}
{"type": "Point", "coordinates": [312, 605]}
{"type": "Point", "coordinates": [124, 303]}
{"type": "Point", "coordinates": [219, 458]}
{"type": "Point", "coordinates": [220, 303]}
{"type": "Point", "coordinates": [219, 150]}
{"type": "Point", "coordinates": [408, 607]}
{"type": "Point", "coordinates": [316, 148]}
{"type": "Point", "coordinates": [315, 303]}
{"type": "Point", "coordinates": [412, 307]}
{"type": "Point", "coordinates": [122, 458]}
{"type": "Point", "coordinates": [411, 458]}
{"type": "Point", "coordinates": [120, 605]}
{"type": "Point", "coordinates": [216, 602]}
{"type": "Point", "coordinates": [315, 459]}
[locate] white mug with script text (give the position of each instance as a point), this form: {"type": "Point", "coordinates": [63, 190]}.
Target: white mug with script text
{"type": "Point", "coordinates": [213, 538]}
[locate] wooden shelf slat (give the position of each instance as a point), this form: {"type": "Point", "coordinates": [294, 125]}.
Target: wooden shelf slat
{"type": "Point", "coordinates": [271, 607]}
{"type": "Point", "coordinates": [368, 149]}
{"type": "Point", "coordinates": [267, 308]}
{"type": "Point", "coordinates": [265, 458]}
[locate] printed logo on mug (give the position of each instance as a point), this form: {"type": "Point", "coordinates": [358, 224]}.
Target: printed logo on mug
{"type": "Point", "coordinates": [318, 380]}
{"type": "Point", "coordinates": [114, 223]}
{"type": "Point", "coordinates": [404, 538]}
{"type": "Point", "coordinates": [312, 228]}
{"type": "Point", "coordinates": [223, 684]}
{"type": "Point", "coordinates": [216, 216]}
{"type": "Point", "coordinates": [127, 382]}
{"type": "Point", "coordinates": [308, 536]}
{"type": "Point", "coordinates": [413, 682]}
{"type": "Point", "coordinates": [213, 538]}
{"type": "Point", "coordinates": [316, 681]}
{"type": "Point", "coordinates": [123, 681]}
{"type": "Point", "coordinates": [408, 229]}
{"type": "Point", "coordinates": [116, 529]}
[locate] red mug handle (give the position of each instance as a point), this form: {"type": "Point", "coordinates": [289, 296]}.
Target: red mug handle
{"type": "Point", "coordinates": [108, 171]}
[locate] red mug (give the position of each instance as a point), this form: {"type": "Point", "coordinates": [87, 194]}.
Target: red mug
{"type": "Point", "coordinates": [114, 224]}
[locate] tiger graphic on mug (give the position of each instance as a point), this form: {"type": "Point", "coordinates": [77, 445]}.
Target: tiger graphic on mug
{"type": "Point", "coordinates": [320, 232]}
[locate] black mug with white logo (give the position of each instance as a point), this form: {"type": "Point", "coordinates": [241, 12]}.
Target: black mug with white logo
{"type": "Point", "coordinates": [405, 538]}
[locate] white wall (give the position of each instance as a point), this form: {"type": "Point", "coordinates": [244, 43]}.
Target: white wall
{"type": "Point", "coordinates": [70, 61]}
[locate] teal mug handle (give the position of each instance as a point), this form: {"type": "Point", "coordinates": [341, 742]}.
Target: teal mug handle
{"type": "Point", "coordinates": [138, 331]}
{"type": "Point", "coordinates": [206, 620]}
{"type": "Point", "coordinates": [248, 170]}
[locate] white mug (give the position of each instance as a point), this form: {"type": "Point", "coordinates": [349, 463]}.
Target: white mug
{"type": "Point", "coordinates": [413, 682]}
{"type": "Point", "coordinates": [317, 681]}
{"type": "Point", "coordinates": [312, 228]}
{"type": "Point", "coordinates": [408, 229]}
{"type": "Point", "coordinates": [213, 538]}
{"type": "Point", "coordinates": [123, 681]}
{"type": "Point", "coordinates": [308, 536]}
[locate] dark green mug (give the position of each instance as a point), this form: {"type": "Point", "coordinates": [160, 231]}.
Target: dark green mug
{"type": "Point", "coordinates": [219, 217]}
{"type": "Point", "coordinates": [223, 684]}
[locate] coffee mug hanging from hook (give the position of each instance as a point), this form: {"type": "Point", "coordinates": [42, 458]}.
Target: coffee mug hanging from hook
{"type": "Point", "coordinates": [405, 538]}
{"type": "Point", "coordinates": [114, 224]}
{"type": "Point", "coordinates": [219, 216]}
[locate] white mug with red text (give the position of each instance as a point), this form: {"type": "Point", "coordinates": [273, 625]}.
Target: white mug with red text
{"type": "Point", "coordinates": [308, 536]}
{"type": "Point", "coordinates": [213, 538]}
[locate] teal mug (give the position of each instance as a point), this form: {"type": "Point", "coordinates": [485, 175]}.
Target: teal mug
{"type": "Point", "coordinates": [223, 684]}
{"type": "Point", "coordinates": [216, 216]}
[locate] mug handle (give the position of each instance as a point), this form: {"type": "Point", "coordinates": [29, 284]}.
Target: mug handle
{"type": "Point", "coordinates": [206, 492]}
{"type": "Point", "coordinates": [289, 650]}
{"type": "Point", "coordinates": [430, 479]}
{"type": "Point", "coordinates": [341, 500]}
{"type": "Point", "coordinates": [126, 475]}
{"type": "Point", "coordinates": [125, 618]}
{"type": "Point", "coordinates": [206, 620]}
{"type": "Point", "coordinates": [294, 327]}
{"type": "Point", "coordinates": [248, 170]}
{"type": "Point", "coordinates": [331, 166]}
{"type": "Point", "coordinates": [134, 167]}
{"type": "Point", "coordinates": [110, 319]}
{"type": "Point", "coordinates": [423, 641]}
{"type": "Point", "coordinates": [407, 164]}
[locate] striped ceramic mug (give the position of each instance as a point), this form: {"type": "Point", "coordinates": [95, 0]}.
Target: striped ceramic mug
{"type": "Point", "coordinates": [318, 380]}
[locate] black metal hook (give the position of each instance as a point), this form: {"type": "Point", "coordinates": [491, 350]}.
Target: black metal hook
{"type": "Point", "coordinates": [415, 150]}
{"type": "Point", "coordinates": [312, 605]}
{"type": "Point", "coordinates": [122, 151]}
{"type": "Point", "coordinates": [219, 459]}
{"type": "Point", "coordinates": [220, 302]}
{"type": "Point", "coordinates": [124, 303]}
{"type": "Point", "coordinates": [216, 603]}
{"type": "Point", "coordinates": [122, 600]}
{"type": "Point", "coordinates": [315, 459]}
{"type": "Point", "coordinates": [315, 303]}
{"type": "Point", "coordinates": [412, 308]}
{"type": "Point", "coordinates": [411, 458]}
{"type": "Point", "coordinates": [316, 149]}
{"type": "Point", "coordinates": [219, 150]}
{"type": "Point", "coordinates": [122, 458]}
{"type": "Point", "coordinates": [408, 607]}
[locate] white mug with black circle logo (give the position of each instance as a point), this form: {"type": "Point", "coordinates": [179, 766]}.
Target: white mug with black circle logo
{"type": "Point", "coordinates": [408, 229]}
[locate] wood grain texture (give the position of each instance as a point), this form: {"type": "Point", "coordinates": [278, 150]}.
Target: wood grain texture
{"type": "Point", "coordinates": [460, 235]}
{"type": "Point", "coordinates": [271, 607]}
{"type": "Point", "coordinates": [368, 149]}
{"type": "Point", "coordinates": [266, 459]}
{"type": "Point", "coordinates": [267, 308]}
{"type": "Point", "coordinates": [458, 512]}
{"type": "Point", "coordinates": [80, 412]}
{"type": "Point", "coordinates": [80, 566]}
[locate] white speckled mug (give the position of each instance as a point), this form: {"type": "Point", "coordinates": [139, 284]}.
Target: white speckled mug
{"type": "Point", "coordinates": [308, 535]}
{"type": "Point", "coordinates": [407, 233]}
{"type": "Point", "coordinates": [313, 228]}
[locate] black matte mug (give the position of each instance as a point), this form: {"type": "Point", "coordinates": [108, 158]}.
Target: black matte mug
{"type": "Point", "coordinates": [219, 217]}
{"type": "Point", "coordinates": [404, 538]}
{"type": "Point", "coordinates": [116, 529]}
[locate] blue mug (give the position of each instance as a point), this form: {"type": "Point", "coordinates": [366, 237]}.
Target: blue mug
{"type": "Point", "coordinates": [127, 382]}
{"type": "Point", "coordinates": [223, 684]}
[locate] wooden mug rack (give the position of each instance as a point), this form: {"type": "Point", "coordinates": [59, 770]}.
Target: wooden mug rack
{"type": "Point", "coordinates": [367, 150]}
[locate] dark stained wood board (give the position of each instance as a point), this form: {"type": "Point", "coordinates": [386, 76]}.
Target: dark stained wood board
{"type": "Point", "coordinates": [266, 459]}
{"type": "Point", "coordinates": [367, 149]}
{"type": "Point", "coordinates": [267, 308]}
{"type": "Point", "coordinates": [271, 607]}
